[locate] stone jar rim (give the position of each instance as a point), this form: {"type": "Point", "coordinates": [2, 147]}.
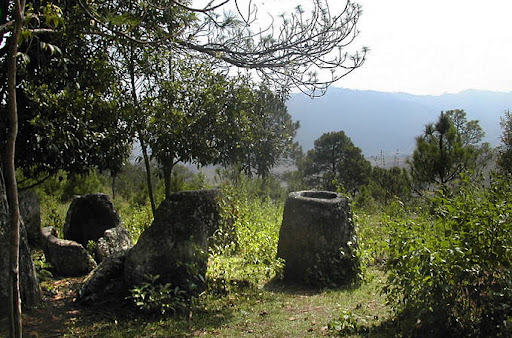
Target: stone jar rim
{"type": "Point", "coordinates": [317, 195]}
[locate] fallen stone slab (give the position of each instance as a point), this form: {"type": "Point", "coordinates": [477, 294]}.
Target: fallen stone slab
{"type": "Point", "coordinates": [105, 282]}
{"type": "Point", "coordinates": [69, 258]}
{"type": "Point", "coordinates": [113, 241]}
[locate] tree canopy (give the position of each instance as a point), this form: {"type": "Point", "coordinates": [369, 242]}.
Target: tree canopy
{"type": "Point", "coordinates": [68, 119]}
{"type": "Point", "coordinates": [336, 162]}
{"type": "Point", "coordinates": [446, 149]}
{"type": "Point", "coordinates": [505, 150]}
{"type": "Point", "coordinates": [305, 50]}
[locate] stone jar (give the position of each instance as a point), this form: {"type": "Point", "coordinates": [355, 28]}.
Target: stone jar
{"type": "Point", "coordinates": [317, 239]}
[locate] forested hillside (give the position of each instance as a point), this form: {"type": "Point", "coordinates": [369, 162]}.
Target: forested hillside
{"type": "Point", "coordinates": [388, 122]}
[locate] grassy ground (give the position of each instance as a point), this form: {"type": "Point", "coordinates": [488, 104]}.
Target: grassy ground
{"type": "Point", "coordinates": [255, 307]}
{"type": "Point", "coordinates": [271, 310]}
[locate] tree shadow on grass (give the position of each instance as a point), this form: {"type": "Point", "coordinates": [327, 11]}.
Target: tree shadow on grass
{"type": "Point", "coordinates": [294, 288]}
{"type": "Point", "coordinates": [59, 314]}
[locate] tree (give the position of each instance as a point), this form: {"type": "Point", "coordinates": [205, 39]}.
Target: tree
{"type": "Point", "coordinates": [291, 53]}
{"type": "Point", "coordinates": [68, 119]}
{"type": "Point", "coordinates": [336, 161]}
{"type": "Point", "coordinates": [52, 109]}
{"type": "Point", "coordinates": [18, 17]}
{"type": "Point", "coordinates": [195, 112]}
{"type": "Point", "coordinates": [505, 151]}
{"type": "Point", "coordinates": [386, 184]}
{"type": "Point", "coordinates": [269, 133]}
{"type": "Point", "coordinates": [446, 149]}
{"type": "Point", "coordinates": [296, 49]}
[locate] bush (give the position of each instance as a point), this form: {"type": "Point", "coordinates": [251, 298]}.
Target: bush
{"type": "Point", "coordinates": [152, 297]}
{"type": "Point", "coordinates": [243, 250]}
{"type": "Point", "coordinates": [450, 273]}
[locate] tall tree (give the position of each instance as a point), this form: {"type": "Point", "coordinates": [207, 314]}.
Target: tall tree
{"type": "Point", "coordinates": [195, 114]}
{"type": "Point", "coordinates": [271, 131]}
{"type": "Point", "coordinates": [335, 161]}
{"type": "Point", "coordinates": [55, 111]}
{"type": "Point", "coordinates": [446, 149]}
{"type": "Point", "coordinates": [18, 17]}
{"type": "Point", "coordinates": [505, 150]}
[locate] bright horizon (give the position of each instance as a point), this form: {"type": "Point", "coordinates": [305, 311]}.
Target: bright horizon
{"type": "Point", "coordinates": [434, 47]}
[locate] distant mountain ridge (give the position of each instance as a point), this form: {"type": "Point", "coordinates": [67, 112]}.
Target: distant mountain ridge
{"type": "Point", "coordinates": [387, 123]}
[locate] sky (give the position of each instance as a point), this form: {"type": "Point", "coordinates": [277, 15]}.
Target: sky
{"type": "Point", "coordinates": [434, 47]}
{"type": "Point", "coordinates": [429, 47]}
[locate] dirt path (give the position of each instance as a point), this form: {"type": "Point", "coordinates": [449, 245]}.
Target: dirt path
{"type": "Point", "coordinates": [57, 312]}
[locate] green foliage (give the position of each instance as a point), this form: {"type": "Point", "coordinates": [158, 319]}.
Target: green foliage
{"type": "Point", "coordinates": [346, 324]}
{"type": "Point", "coordinates": [268, 135]}
{"type": "Point", "coordinates": [137, 219]}
{"type": "Point", "coordinates": [152, 297]}
{"type": "Point", "coordinates": [82, 184]}
{"type": "Point", "coordinates": [385, 187]}
{"type": "Point", "coordinates": [450, 273]}
{"type": "Point", "coordinates": [446, 149]}
{"type": "Point", "coordinates": [91, 247]}
{"type": "Point", "coordinates": [53, 212]}
{"type": "Point", "coordinates": [41, 266]}
{"type": "Point", "coordinates": [68, 119]}
{"type": "Point", "coordinates": [245, 248]}
{"type": "Point", "coordinates": [505, 150]}
{"type": "Point", "coordinates": [335, 162]}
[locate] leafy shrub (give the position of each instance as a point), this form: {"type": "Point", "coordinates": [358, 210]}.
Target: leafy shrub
{"type": "Point", "coordinates": [154, 298]}
{"type": "Point", "coordinates": [138, 219]}
{"type": "Point", "coordinates": [450, 273]}
{"type": "Point", "coordinates": [347, 324]}
{"type": "Point", "coordinates": [53, 212]}
{"type": "Point", "coordinates": [244, 248]}
{"type": "Point", "coordinates": [41, 266]}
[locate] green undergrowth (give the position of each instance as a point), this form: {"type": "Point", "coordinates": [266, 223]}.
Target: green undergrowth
{"type": "Point", "coordinates": [269, 310]}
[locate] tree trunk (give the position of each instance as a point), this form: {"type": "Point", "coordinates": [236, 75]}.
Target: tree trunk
{"type": "Point", "coordinates": [11, 186]}
{"type": "Point", "coordinates": [167, 169]}
{"type": "Point", "coordinates": [114, 176]}
{"type": "Point", "coordinates": [147, 164]}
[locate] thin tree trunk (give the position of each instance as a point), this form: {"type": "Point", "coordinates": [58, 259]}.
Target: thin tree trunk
{"type": "Point", "coordinates": [11, 185]}
{"type": "Point", "coordinates": [167, 177]}
{"type": "Point", "coordinates": [143, 146]}
{"type": "Point", "coordinates": [147, 164]}
{"type": "Point", "coordinates": [114, 176]}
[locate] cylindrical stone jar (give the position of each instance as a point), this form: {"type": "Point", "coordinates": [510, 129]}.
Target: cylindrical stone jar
{"type": "Point", "coordinates": [317, 239]}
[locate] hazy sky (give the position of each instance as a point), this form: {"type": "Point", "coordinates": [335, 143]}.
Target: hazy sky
{"type": "Point", "coordinates": [435, 46]}
{"type": "Point", "coordinates": [426, 46]}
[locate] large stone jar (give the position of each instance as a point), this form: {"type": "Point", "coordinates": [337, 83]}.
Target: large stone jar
{"type": "Point", "coordinates": [317, 239]}
{"type": "Point", "coordinates": [175, 246]}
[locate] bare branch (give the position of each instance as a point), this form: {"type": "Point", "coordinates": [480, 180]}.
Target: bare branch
{"type": "Point", "coordinates": [296, 49]}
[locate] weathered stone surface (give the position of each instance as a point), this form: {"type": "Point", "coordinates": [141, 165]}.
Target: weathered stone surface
{"type": "Point", "coordinates": [46, 232]}
{"type": "Point", "coordinates": [113, 241]}
{"type": "Point", "coordinates": [175, 246]}
{"type": "Point", "coordinates": [30, 292]}
{"type": "Point", "coordinates": [317, 239]}
{"type": "Point", "coordinates": [69, 258]}
{"type": "Point", "coordinates": [106, 282]}
{"type": "Point", "coordinates": [88, 217]}
{"type": "Point", "coordinates": [30, 211]}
